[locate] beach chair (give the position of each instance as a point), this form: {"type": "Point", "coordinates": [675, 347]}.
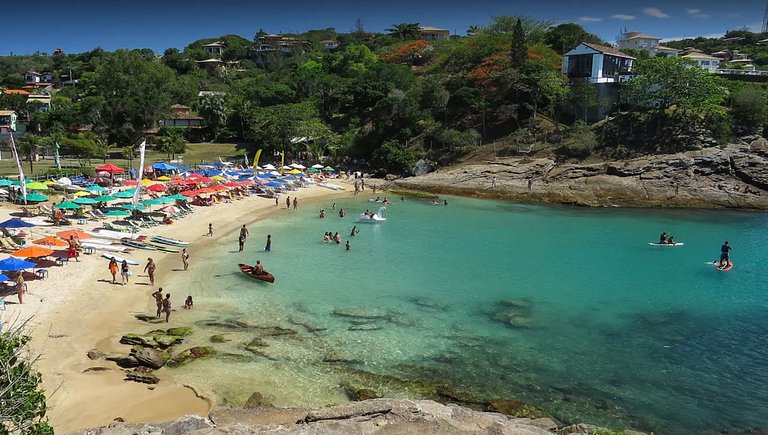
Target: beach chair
{"type": "Point", "coordinates": [135, 225]}
{"type": "Point", "coordinates": [149, 221]}
{"type": "Point", "coordinates": [187, 207]}
{"type": "Point", "coordinates": [94, 215]}
{"type": "Point", "coordinates": [7, 245]}
{"type": "Point", "coordinates": [46, 210]}
{"type": "Point", "coordinates": [98, 212]}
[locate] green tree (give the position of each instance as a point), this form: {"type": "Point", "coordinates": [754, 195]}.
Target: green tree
{"type": "Point", "coordinates": [136, 94]}
{"type": "Point", "coordinates": [749, 109]}
{"type": "Point", "coordinates": [405, 31]}
{"type": "Point", "coordinates": [394, 157]}
{"type": "Point", "coordinates": [664, 82]}
{"type": "Point", "coordinates": [583, 95]}
{"type": "Point", "coordinates": [276, 126]}
{"type": "Point", "coordinates": [22, 401]}
{"type": "Point", "coordinates": [172, 142]}
{"type": "Point", "coordinates": [27, 147]}
{"type": "Point", "coordinates": [565, 37]}
{"type": "Point", "coordinates": [535, 31]}
{"type": "Point", "coordinates": [519, 51]}
{"type": "Point", "coordinates": [214, 110]}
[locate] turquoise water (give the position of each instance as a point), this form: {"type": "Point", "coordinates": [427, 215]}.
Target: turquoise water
{"type": "Point", "coordinates": [568, 309]}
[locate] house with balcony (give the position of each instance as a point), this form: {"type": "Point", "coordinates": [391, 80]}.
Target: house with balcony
{"type": "Point", "coordinates": [214, 49]}
{"type": "Point", "coordinates": [182, 118]}
{"type": "Point", "coordinates": [703, 60]}
{"type": "Point", "coordinates": [597, 64]}
{"type": "Point", "coordinates": [434, 33]}
{"type": "Point", "coordinates": [34, 78]}
{"type": "Point", "coordinates": [650, 44]}
{"type": "Point", "coordinates": [7, 121]}
{"type": "Point", "coordinates": [268, 48]}
{"type": "Point", "coordinates": [40, 103]}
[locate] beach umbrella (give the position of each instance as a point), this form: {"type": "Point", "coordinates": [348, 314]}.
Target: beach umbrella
{"type": "Point", "coordinates": [32, 252]}
{"type": "Point", "coordinates": [78, 235]}
{"type": "Point", "coordinates": [294, 172]}
{"type": "Point", "coordinates": [110, 168]}
{"type": "Point", "coordinates": [131, 183]}
{"type": "Point", "coordinates": [81, 193]}
{"type": "Point", "coordinates": [157, 188]}
{"type": "Point", "coordinates": [133, 207]}
{"type": "Point", "coordinates": [164, 166]}
{"type": "Point", "coordinates": [15, 223]}
{"type": "Point", "coordinates": [218, 178]}
{"type": "Point", "coordinates": [116, 213]}
{"type": "Point", "coordinates": [273, 184]}
{"type": "Point", "coordinates": [85, 201]}
{"type": "Point", "coordinates": [147, 182]}
{"type": "Point", "coordinates": [13, 264]}
{"type": "Point", "coordinates": [96, 188]}
{"type": "Point", "coordinates": [67, 205]}
{"type": "Point", "coordinates": [318, 166]}
{"type": "Point", "coordinates": [269, 167]}
{"type": "Point", "coordinates": [4, 278]}
{"type": "Point", "coordinates": [37, 186]}
{"type": "Point", "coordinates": [313, 170]}
{"type": "Point", "coordinates": [124, 194]}
{"type": "Point", "coordinates": [165, 200]}
{"type": "Point", "coordinates": [190, 193]}
{"type": "Point", "coordinates": [5, 183]}
{"type": "Point", "coordinates": [178, 197]}
{"type": "Point", "coordinates": [170, 209]}
{"type": "Point", "coordinates": [36, 197]}
{"type": "Point", "coordinates": [152, 201]}
{"type": "Point", "coordinates": [287, 168]}
{"type": "Point", "coordinates": [329, 169]}
{"type": "Point", "coordinates": [164, 178]}
{"type": "Point", "coordinates": [232, 184]}
{"type": "Point", "coordinates": [105, 198]}
{"type": "Point", "coordinates": [298, 166]}
{"type": "Point", "coordinates": [51, 241]}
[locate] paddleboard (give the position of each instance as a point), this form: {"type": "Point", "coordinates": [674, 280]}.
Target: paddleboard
{"type": "Point", "coordinates": [727, 267]}
{"type": "Point", "coordinates": [120, 259]}
{"type": "Point", "coordinates": [667, 244]}
{"type": "Point", "coordinates": [169, 241]}
{"type": "Point", "coordinates": [108, 234]}
{"type": "Point", "coordinates": [101, 247]}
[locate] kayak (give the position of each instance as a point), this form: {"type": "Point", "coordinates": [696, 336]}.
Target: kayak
{"type": "Point", "coordinates": [727, 267]}
{"type": "Point", "coordinates": [266, 276]}
{"type": "Point", "coordinates": [103, 247]}
{"type": "Point", "coordinates": [116, 235]}
{"type": "Point", "coordinates": [169, 241]}
{"type": "Point", "coordinates": [163, 248]}
{"type": "Point", "coordinates": [137, 244]}
{"type": "Point", "coordinates": [671, 245]}
{"type": "Point", "coordinates": [120, 259]}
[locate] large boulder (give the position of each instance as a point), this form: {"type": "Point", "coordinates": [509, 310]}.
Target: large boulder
{"type": "Point", "coordinates": [256, 400]}
{"type": "Point", "coordinates": [124, 361]}
{"type": "Point", "coordinates": [151, 358]}
{"type": "Point", "coordinates": [190, 355]}
{"type": "Point", "coordinates": [187, 424]}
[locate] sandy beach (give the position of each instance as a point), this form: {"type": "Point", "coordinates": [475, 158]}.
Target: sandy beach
{"type": "Point", "coordinates": [77, 308]}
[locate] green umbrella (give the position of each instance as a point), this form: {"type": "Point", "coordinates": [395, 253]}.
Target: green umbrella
{"type": "Point", "coordinates": [105, 198]}
{"type": "Point", "coordinates": [152, 202]}
{"type": "Point", "coordinates": [67, 205]}
{"type": "Point", "coordinates": [117, 213]}
{"type": "Point", "coordinates": [166, 200]}
{"type": "Point", "coordinates": [5, 183]}
{"type": "Point", "coordinates": [36, 197]}
{"type": "Point", "coordinates": [96, 188]}
{"type": "Point", "coordinates": [85, 201]}
{"type": "Point", "coordinates": [329, 169]}
{"type": "Point", "coordinates": [178, 196]}
{"type": "Point", "coordinates": [124, 194]}
{"type": "Point", "coordinates": [133, 207]}
{"type": "Point", "coordinates": [313, 170]}
{"type": "Point", "coordinates": [37, 186]}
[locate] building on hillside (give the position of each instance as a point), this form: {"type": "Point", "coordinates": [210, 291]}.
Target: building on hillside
{"type": "Point", "coordinates": [7, 121]}
{"type": "Point", "coordinates": [21, 92]}
{"type": "Point", "coordinates": [204, 94]}
{"type": "Point", "coordinates": [330, 44]}
{"type": "Point", "coordinates": [34, 78]}
{"type": "Point", "coordinates": [702, 60]}
{"type": "Point", "coordinates": [650, 44]}
{"type": "Point", "coordinates": [182, 118]}
{"type": "Point", "coordinates": [597, 64]}
{"type": "Point", "coordinates": [215, 49]}
{"type": "Point", "coordinates": [267, 49]}
{"type": "Point", "coordinates": [434, 33]}
{"type": "Point", "coordinates": [40, 103]}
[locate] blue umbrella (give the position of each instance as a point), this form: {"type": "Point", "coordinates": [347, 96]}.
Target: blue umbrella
{"type": "Point", "coordinates": [12, 264]}
{"type": "Point", "coordinates": [164, 166]}
{"type": "Point", "coordinates": [15, 223]}
{"type": "Point", "coordinates": [272, 184]}
{"type": "Point", "coordinates": [4, 278]}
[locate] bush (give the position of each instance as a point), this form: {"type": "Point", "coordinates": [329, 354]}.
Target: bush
{"type": "Point", "coordinates": [579, 142]}
{"type": "Point", "coordinates": [395, 158]}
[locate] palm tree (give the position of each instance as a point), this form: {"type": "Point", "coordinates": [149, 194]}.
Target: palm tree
{"type": "Point", "coordinates": [27, 146]}
{"type": "Point", "coordinates": [173, 143]}
{"type": "Point", "coordinates": [405, 31]}
{"type": "Point", "coordinates": [214, 110]}
{"type": "Point", "coordinates": [472, 30]}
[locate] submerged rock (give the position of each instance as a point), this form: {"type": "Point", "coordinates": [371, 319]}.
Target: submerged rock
{"type": "Point", "coordinates": [358, 394]}
{"type": "Point", "coordinates": [190, 355]}
{"type": "Point", "coordinates": [366, 327]}
{"type": "Point", "coordinates": [516, 303]}
{"type": "Point", "coordinates": [219, 338]}
{"type": "Point", "coordinates": [306, 324]}
{"type": "Point", "coordinates": [257, 342]}
{"type": "Point", "coordinates": [181, 331]}
{"type": "Point", "coordinates": [515, 408]}
{"type": "Point", "coordinates": [234, 357]}
{"type": "Point", "coordinates": [361, 313]}
{"type": "Point", "coordinates": [256, 400]}
{"type": "Point", "coordinates": [431, 303]}
{"type": "Point", "coordinates": [341, 358]}
{"type": "Point", "coordinates": [401, 320]}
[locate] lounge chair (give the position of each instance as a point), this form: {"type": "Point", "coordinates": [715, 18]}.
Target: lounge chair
{"type": "Point", "coordinates": [46, 210]}
{"type": "Point", "coordinates": [98, 212]}
{"type": "Point", "coordinates": [94, 215]}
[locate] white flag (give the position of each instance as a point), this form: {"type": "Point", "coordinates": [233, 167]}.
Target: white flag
{"type": "Point", "coordinates": [22, 180]}
{"type": "Point", "coordinates": [136, 193]}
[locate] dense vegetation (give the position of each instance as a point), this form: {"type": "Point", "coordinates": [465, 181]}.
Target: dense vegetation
{"type": "Point", "coordinates": [388, 98]}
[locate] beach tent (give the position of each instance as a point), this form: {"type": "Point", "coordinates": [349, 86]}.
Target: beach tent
{"type": "Point", "coordinates": [32, 252]}
{"type": "Point", "coordinates": [15, 223]}
{"type": "Point", "coordinates": [110, 169]}
{"type": "Point", "coordinates": [12, 264]}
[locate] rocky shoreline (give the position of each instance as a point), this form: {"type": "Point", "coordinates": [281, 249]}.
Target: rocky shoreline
{"type": "Point", "coordinates": [735, 176]}
{"type": "Point", "coordinates": [376, 416]}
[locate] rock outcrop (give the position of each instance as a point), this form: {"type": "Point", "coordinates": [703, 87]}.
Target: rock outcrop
{"type": "Point", "coordinates": [733, 177]}
{"type": "Point", "coordinates": [377, 416]}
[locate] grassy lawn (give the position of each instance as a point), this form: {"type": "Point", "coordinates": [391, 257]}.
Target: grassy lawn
{"type": "Point", "coordinates": [196, 153]}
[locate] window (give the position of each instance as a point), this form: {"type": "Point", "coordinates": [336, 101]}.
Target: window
{"type": "Point", "coordinates": [580, 66]}
{"type": "Point", "coordinates": [704, 63]}
{"type": "Point", "coordinates": [614, 65]}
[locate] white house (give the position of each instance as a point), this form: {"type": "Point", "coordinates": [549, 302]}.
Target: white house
{"type": "Point", "coordinates": [215, 49]}
{"type": "Point", "coordinates": [705, 61]}
{"type": "Point", "coordinates": [330, 44]}
{"type": "Point", "coordinates": [640, 41]}
{"type": "Point", "coordinates": [597, 64]}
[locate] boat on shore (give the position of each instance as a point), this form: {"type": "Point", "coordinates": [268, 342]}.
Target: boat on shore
{"type": "Point", "coordinates": [169, 241]}
{"type": "Point", "coordinates": [137, 244]}
{"type": "Point", "coordinates": [248, 270]}
{"type": "Point", "coordinates": [115, 235]}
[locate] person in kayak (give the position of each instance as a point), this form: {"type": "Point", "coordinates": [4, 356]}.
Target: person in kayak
{"type": "Point", "coordinates": [663, 238]}
{"type": "Point", "coordinates": [725, 259]}
{"type": "Point", "coordinates": [258, 269]}
{"type": "Point", "coordinates": [671, 240]}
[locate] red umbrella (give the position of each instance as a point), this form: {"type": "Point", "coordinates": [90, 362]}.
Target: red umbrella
{"type": "Point", "coordinates": [78, 234]}
{"type": "Point", "coordinates": [218, 188]}
{"type": "Point", "coordinates": [190, 193]}
{"type": "Point", "coordinates": [232, 184]}
{"type": "Point", "coordinates": [112, 169]}
{"type": "Point", "coordinates": [157, 188]}
{"type": "Point", "coordinates": [204, 180]}
{"type": "Point", "coordinates": [131, 183]}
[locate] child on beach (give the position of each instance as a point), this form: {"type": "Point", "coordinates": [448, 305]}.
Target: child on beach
{"type": "Point", "coordinates": [268, 248]}
{"type": "Point", "coordinates": [113, 269]}
{"type": "Point", "coordinates": [348, 245]}
{"type": "Point", "coordinates": [210, 230]}
{"type": "Point", "coordinates": [188, 303]}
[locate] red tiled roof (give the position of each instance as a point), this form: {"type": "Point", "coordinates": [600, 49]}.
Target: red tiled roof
{"type": "Point", "coordinates": [16, 92]}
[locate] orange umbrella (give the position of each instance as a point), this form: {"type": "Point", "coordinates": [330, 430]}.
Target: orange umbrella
{"type": "Point", "coordinates": [78, 234]}
{"type": "Point", "coordinates": [51, 241]}
{"type": "Point", "coordinates": [32, 252]}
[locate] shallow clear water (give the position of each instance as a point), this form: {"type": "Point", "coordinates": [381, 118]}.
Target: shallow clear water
{"type": "Point", "coordinates": [605, 328]}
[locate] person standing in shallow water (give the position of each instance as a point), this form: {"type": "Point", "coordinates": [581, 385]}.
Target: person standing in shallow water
{"type": "Point", "coordinates": [288, 202]}
{"type": "Point", "coordinates": [158, 295]}
{"type": "Point", "coordinates": [268, 247]}
{"type": "Point", "coordinates": [295, 203]}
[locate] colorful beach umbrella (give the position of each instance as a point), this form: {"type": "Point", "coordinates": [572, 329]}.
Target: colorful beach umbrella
{"type": "Point", "coordinates": [189, 193]}
{"type": "Point", "coordinates": [166, 200]}
{"type": "Point", "coordinates": [178, 196]}
{"type": "Point", "coordinates": [96, 188]}
{"type": "Point", "coordinates": [36, 186]}
{"type": "Point", "coordinates": [313, 170]}
{"type": "Point", "coordinates": [78, 235]}
{"type": "Point", "coordinates": [317, 166]}
{"type": "Point", "coordinates": [163, 178]}
{"type": "Point", "coordinates": [85, 201]}
{"type": "Point", "coordinates": [218, 178]}
{"type": "Point", "coordinates": [81, 193]}
{"type": "Point", "coordinates": [132, 207]}
{"type": "Point", "coordinates": [294, 171]}
{"type": "Point", "coordinates": [157, 188]}
{"type": "Point", "coordinates": [32, 252]}
{"type": "Point", "coordinates": [329, 169]}
{"type": "Point", "coordinates": [15, 223]}
{"type": "Point", "coordinates": [67, 205]}
{"type": "Point", "coordinates": [5, 183]}
{"type": "Point", "coordinates": [117, 213]}
{"type": "Point", "coordinates": [51, 241]}
{"type": "Point", "coordinates": [298, 166]}
{"type": "Point", "coordinates": [152, 201]}
{"type": "Point", "coordinates": [4, 278]}
{"type": "Point", "coordinates": [105, 198]}
{"type": "Point", "coordinates": [112, 169]}
{"type": "Point", "coordinates": [131, 183]}
{"type": "Point", "coordinates": [170, 209]}
{"type": "Point", "coordinates": [147, 182]}
{"type": "Point", "coordinates": [36, 197]}
{"type": "Point", "coordinates": [12, 264]}
{"type": "Point", "coordinates": [124, 194]}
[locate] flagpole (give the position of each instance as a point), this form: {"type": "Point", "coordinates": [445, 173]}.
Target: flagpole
{"type": "Point", "coordinates": [22, 180]}
{"type": "Point", "coordinates": [136, 193]}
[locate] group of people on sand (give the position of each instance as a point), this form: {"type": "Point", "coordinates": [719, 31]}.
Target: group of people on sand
{"type": "Point", "coordinates": [665, 239]}
{"type": "Point", "coordinates": [164, 303]}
